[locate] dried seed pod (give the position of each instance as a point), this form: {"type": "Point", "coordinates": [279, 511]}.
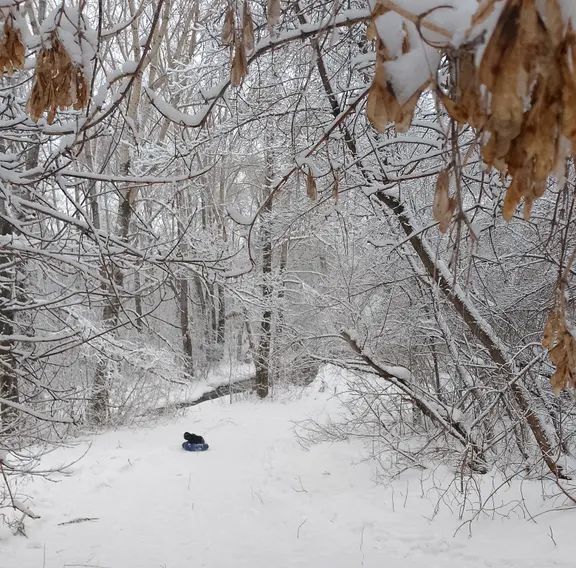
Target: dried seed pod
{"type": "Point", "coordinates": [371, 34]}
{"type": "Point", "coordinates": [336, 186]}
{"type": "Point", "coordinates": [247, 28]}
{"type": "Point", "coordinates": [273, 12]}
{"type": "Point", "coordinates": [377, 105]}
{"type": "Point", "coordinates": [522, 95]}
{"type": "Point", "coordinates": [58, 83]}
{"type": "Point", "coordinates": [567, 55]}
{"type": "Point", "coordinates": [466, 104]}
{"type": "Point", "coordinates": [229, 29]}
{"type": "Point", "coordinates": [383, 106]}
{"type": "Point", "coordinates": [12, 50]}
{"type": "Point", "coordinates": [239, 65]}
{"type": "Point", "coordinates": [311, 189]}
{"type": "Point", "coordinates": [561, 345]}
{"type": "Point", "coordinates": [512, 198]}
{"type": "Point", "coordinates": [443, 206]}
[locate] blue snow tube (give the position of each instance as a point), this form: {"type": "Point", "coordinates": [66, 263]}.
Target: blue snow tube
{"type": "Point", "coordinates": [195, 447]}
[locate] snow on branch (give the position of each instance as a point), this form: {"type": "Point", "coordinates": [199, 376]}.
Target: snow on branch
{"type": "Point", "coordinates": [450, 419]}
{"type": "Point", "coordinates": [345, 19]}
{"type": "Point", "coordinates": [30, 412]}
{"type": "Point", "coordinates": [173, 114]}
{"type": "Point", "coordinates": [144, 180]}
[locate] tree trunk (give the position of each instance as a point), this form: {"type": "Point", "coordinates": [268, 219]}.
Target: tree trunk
{"type": "Point", "coordinates": [138, 300]}
{"type": "Point", "coordinates": [264, 341]}
{"type": "Point", "coordinates": [183, 284]}
{"type": "Point", "coordinates": [203, 300]}
{"type": "Point", "coordinates": [8, 378]}
{"type": "Point", "coordinates": [221, 317]}
{"type": "Point", "coordinates": [183, 292]}
{"type": "Point", "coordinates": [278, 319]}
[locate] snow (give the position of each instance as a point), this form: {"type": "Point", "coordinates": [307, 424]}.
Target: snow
{"type": "Point", "coordinates": [99, 98]}
{"type": "Point", "coordinates": [450, 14]}
{"type": "Point", "coordinates": [453, 16]}
{"type": "Point", "coordinates": [222, 374]}
{"type": "Point", "coordinates": [129, 67]}
{"type": "Point", "coordinates": [78, 41]}
{"type": "Point", "coordinates": [411, 71]}
{"type": "Point", "coordinates": [239, 217]}
{"type": "Point", "coordinates": [9, 9]}
{"type": "Point", "coordinates": [259, 498]}
{"type": "Point", "coordinates": [401, 373]}
{"type": "Point", "coordinates": [408, 72]}
{"type": "Point", "coordinates": [173, 114]}
{"type": "Point", "coordinates": [390, 30]}
{"type": "Point", "coordinates": [237, 271]}
{"type": "Point", "coordinates": [214, 92]}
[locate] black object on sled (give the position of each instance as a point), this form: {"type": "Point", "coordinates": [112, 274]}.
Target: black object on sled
{"type": "Point", "coordinates": [194, 443]}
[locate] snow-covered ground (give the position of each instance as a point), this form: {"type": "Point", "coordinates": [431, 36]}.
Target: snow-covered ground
{"type": "Point", "coordinates": [258, 499]}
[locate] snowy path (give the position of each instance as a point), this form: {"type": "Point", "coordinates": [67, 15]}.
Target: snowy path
{"type": "Point", "coordinates": [256, 499]}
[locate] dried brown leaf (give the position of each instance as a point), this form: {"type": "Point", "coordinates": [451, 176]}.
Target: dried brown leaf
{"type": "Point", "coordinates": [553, 324]}
{"type": "Point", "coordinates": [405, 39]}
{"type": "Point", "coordinates": [558, 379]}
{"type": "Point", "coordinates": [403, 118]}
{"type": "Point", "coordinates": [528, 203]}
{"type": "Point", "coordinates": [371, 33]}
{"type": "Point", "coordinates": [380, 102]}
{"type": "Point", "coordinates": [383, 107]}
{"type": "Point", "coordinates": [498, 49]}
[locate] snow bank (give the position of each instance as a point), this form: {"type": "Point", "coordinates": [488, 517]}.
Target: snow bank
{"type": "Point", "coordinates": [257, 499]}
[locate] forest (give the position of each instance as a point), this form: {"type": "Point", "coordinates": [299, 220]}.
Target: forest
{"type": "Point", "coordinates": [209, 199]}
